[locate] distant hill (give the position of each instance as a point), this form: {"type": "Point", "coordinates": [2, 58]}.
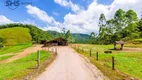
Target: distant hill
{"type": "Point", "coordinates": [81, 38]}
{"type": "Point", "coordinates": [78, 37]}
{"type": "Point", "coordinates": [54, 34]}
{"type": "Point", "coordinates": [16, 35]}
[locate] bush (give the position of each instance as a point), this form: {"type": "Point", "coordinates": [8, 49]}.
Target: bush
{"type": "Point", "coordinates": [1, 45]}
{"type": "Point", "coordinates": [2, 40]}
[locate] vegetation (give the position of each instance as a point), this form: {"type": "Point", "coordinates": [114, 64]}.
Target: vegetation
{"type": "Point", "coordinates": [2, 41]}
{"type": "Point", "coordinates": [74, 37]}
{"type": "Point", "coordinates": [10, 51]}
{"type": "Point", "coordinates": [127, 62]}
{"type": "Point", "coordinates": [15, 48]}
{"type": "Point", "coordinates": [25, 65]}
{"type": "Point", "coordinates": [124, 26]}
{"type": "Point", "coordinates": [13, 36]}
{"type": "Point", "coordinates": [36, 33]}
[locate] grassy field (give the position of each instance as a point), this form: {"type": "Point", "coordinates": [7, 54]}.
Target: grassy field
{"type": "Point", "coordinates": [21, 67]}
{"type": "Point", "coordinates": [125, 62]}
{"type": "Point", "coordinates": [15, 35]}
{"type": "Point", "coordinates": [10, 51]}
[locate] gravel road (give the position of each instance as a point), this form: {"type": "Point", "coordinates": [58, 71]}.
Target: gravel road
{"type": "Point", "coordinates": [69, 65]}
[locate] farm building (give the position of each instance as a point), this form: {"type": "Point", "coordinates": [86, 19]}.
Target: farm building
{"type": "Point", "coordinates": [56, 42]}
{"type": "Point", "coordinates": [119, 42]}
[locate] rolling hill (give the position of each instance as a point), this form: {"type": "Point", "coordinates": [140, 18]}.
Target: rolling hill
{"type": "Point", "coordinates": [36, 33]}
{"type": "Point", "coordinates": [15, 35]}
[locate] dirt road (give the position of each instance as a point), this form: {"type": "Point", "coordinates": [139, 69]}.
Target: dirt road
{"type": "Point", "coordinates": [69, 65]}
{"type": "Point", "coordinates": [24, 53]}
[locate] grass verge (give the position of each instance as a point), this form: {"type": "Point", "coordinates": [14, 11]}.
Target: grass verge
{"type": "Point", "coordinates": [10, 51]}
{"type": "Point", "coordinates": [21, 67]}
{"type": "Point", "coordinates": [125, 62]}
{"type": "Point", "coordinates": [15, 48]}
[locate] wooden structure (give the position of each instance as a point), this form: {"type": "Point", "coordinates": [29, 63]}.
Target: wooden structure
{"type": "Point", "coordinates": [56, 42]}
{"type": "Point", "coordinates": [107, 52]}
{"type": "Point", "coordinates": [43, 41]}
{"type": "Point", "coordinates": [119, 42]}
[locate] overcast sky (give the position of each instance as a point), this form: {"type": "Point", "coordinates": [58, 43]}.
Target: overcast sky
{"type": "Point", "coordinates": [78, 16]}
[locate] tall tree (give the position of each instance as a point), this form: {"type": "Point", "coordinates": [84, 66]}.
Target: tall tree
{"type": "Point", "coordinates": [68, 36]}
{"type": "Point", "coordinates": [131, 16]}
{"type": "Point", "coordinates": [140, 27]}
{"type": "Point", "coordinates": [120, 20]}
{"type": "Point", "coordinates": [102, 25]}
{"type": "Point", "coordinates": [63, 33]}
{"type": "Point", "coordinates": [92, 35]}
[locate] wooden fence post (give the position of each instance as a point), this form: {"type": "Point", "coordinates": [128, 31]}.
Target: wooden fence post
{"type": "Point", "coordinates": [52, 50]}
{"type": "Point", "coordinates": [112, 63]}
{"type": "Point", "coordinates": [38, 59]}
{"type": "Point", "coordinates": [48, 48]}
{"type": "Point", "coordinates": [56, 51]}
{"type": "Point", "coordinates": [97, 56]}
{"type": "Point", "coordinates": [78, 48]}
{"type": "Point", "coordinates": [83, 49]}
{"type": "Point", "coordinates": [90, 52]}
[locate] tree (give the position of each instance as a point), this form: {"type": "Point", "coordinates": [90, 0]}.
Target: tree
{"type": "Point", "coordinates": [102, 25]}
{"type": "Point", "coordinates": [63, 33]}
{"type": "Point", "coordinates": [120, 20]}
{"type": "Point", "coordinates": [2, 41]}
{"type": "Point", "coordinates": [130, 32]}
{"type": "Point", "coordinates": [131, 16]}
{"type": "Point", "coordinates": [140, 27]}
{"type": "Point", "coordinates": [92, 38]}
{"type": "Point", "coordinates": [68, 36]}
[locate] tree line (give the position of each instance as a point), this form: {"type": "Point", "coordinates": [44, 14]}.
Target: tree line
{"type": "Point", "coordinates": [123, 26]}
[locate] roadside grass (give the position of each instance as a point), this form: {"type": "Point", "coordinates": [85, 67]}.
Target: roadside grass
{"type": "Point", "coordinates": [15, 48]}
{"type": "Point", "coordinates": [5, 57]}
{"type": "Point", "coordinates": [12, 50]}
{"type": "Point", "coordinates": [21, 67]}
{"type": "Point", "coordinates": [133, 45]}
{"type": "Point", "coordinates": [125, 62]}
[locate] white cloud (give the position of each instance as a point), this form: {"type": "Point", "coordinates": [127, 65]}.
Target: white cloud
{"type": "Point", "coordinates": [68, 4]}
{"type": "Point", "coordinates": [43, 16]}
{"type": "Point", "coordinates": [4, 20]}
{"type": "Point", "coordinates": [62, 2]}
{"type": "Point", "coordinates": [29, 21]}
{"type": "Point", "coordinates": [84, 21]}
{"type": "Point", "coordinates": [55, 13]}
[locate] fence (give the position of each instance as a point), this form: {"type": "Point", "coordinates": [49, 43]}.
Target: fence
{"type": "Point", "coordinates": [93, 53]}
{"type": "Point", "coordinates": [50, 49]}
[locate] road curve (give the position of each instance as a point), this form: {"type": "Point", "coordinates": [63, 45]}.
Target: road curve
{"type": "Point", "coordinates": [70, 66]}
